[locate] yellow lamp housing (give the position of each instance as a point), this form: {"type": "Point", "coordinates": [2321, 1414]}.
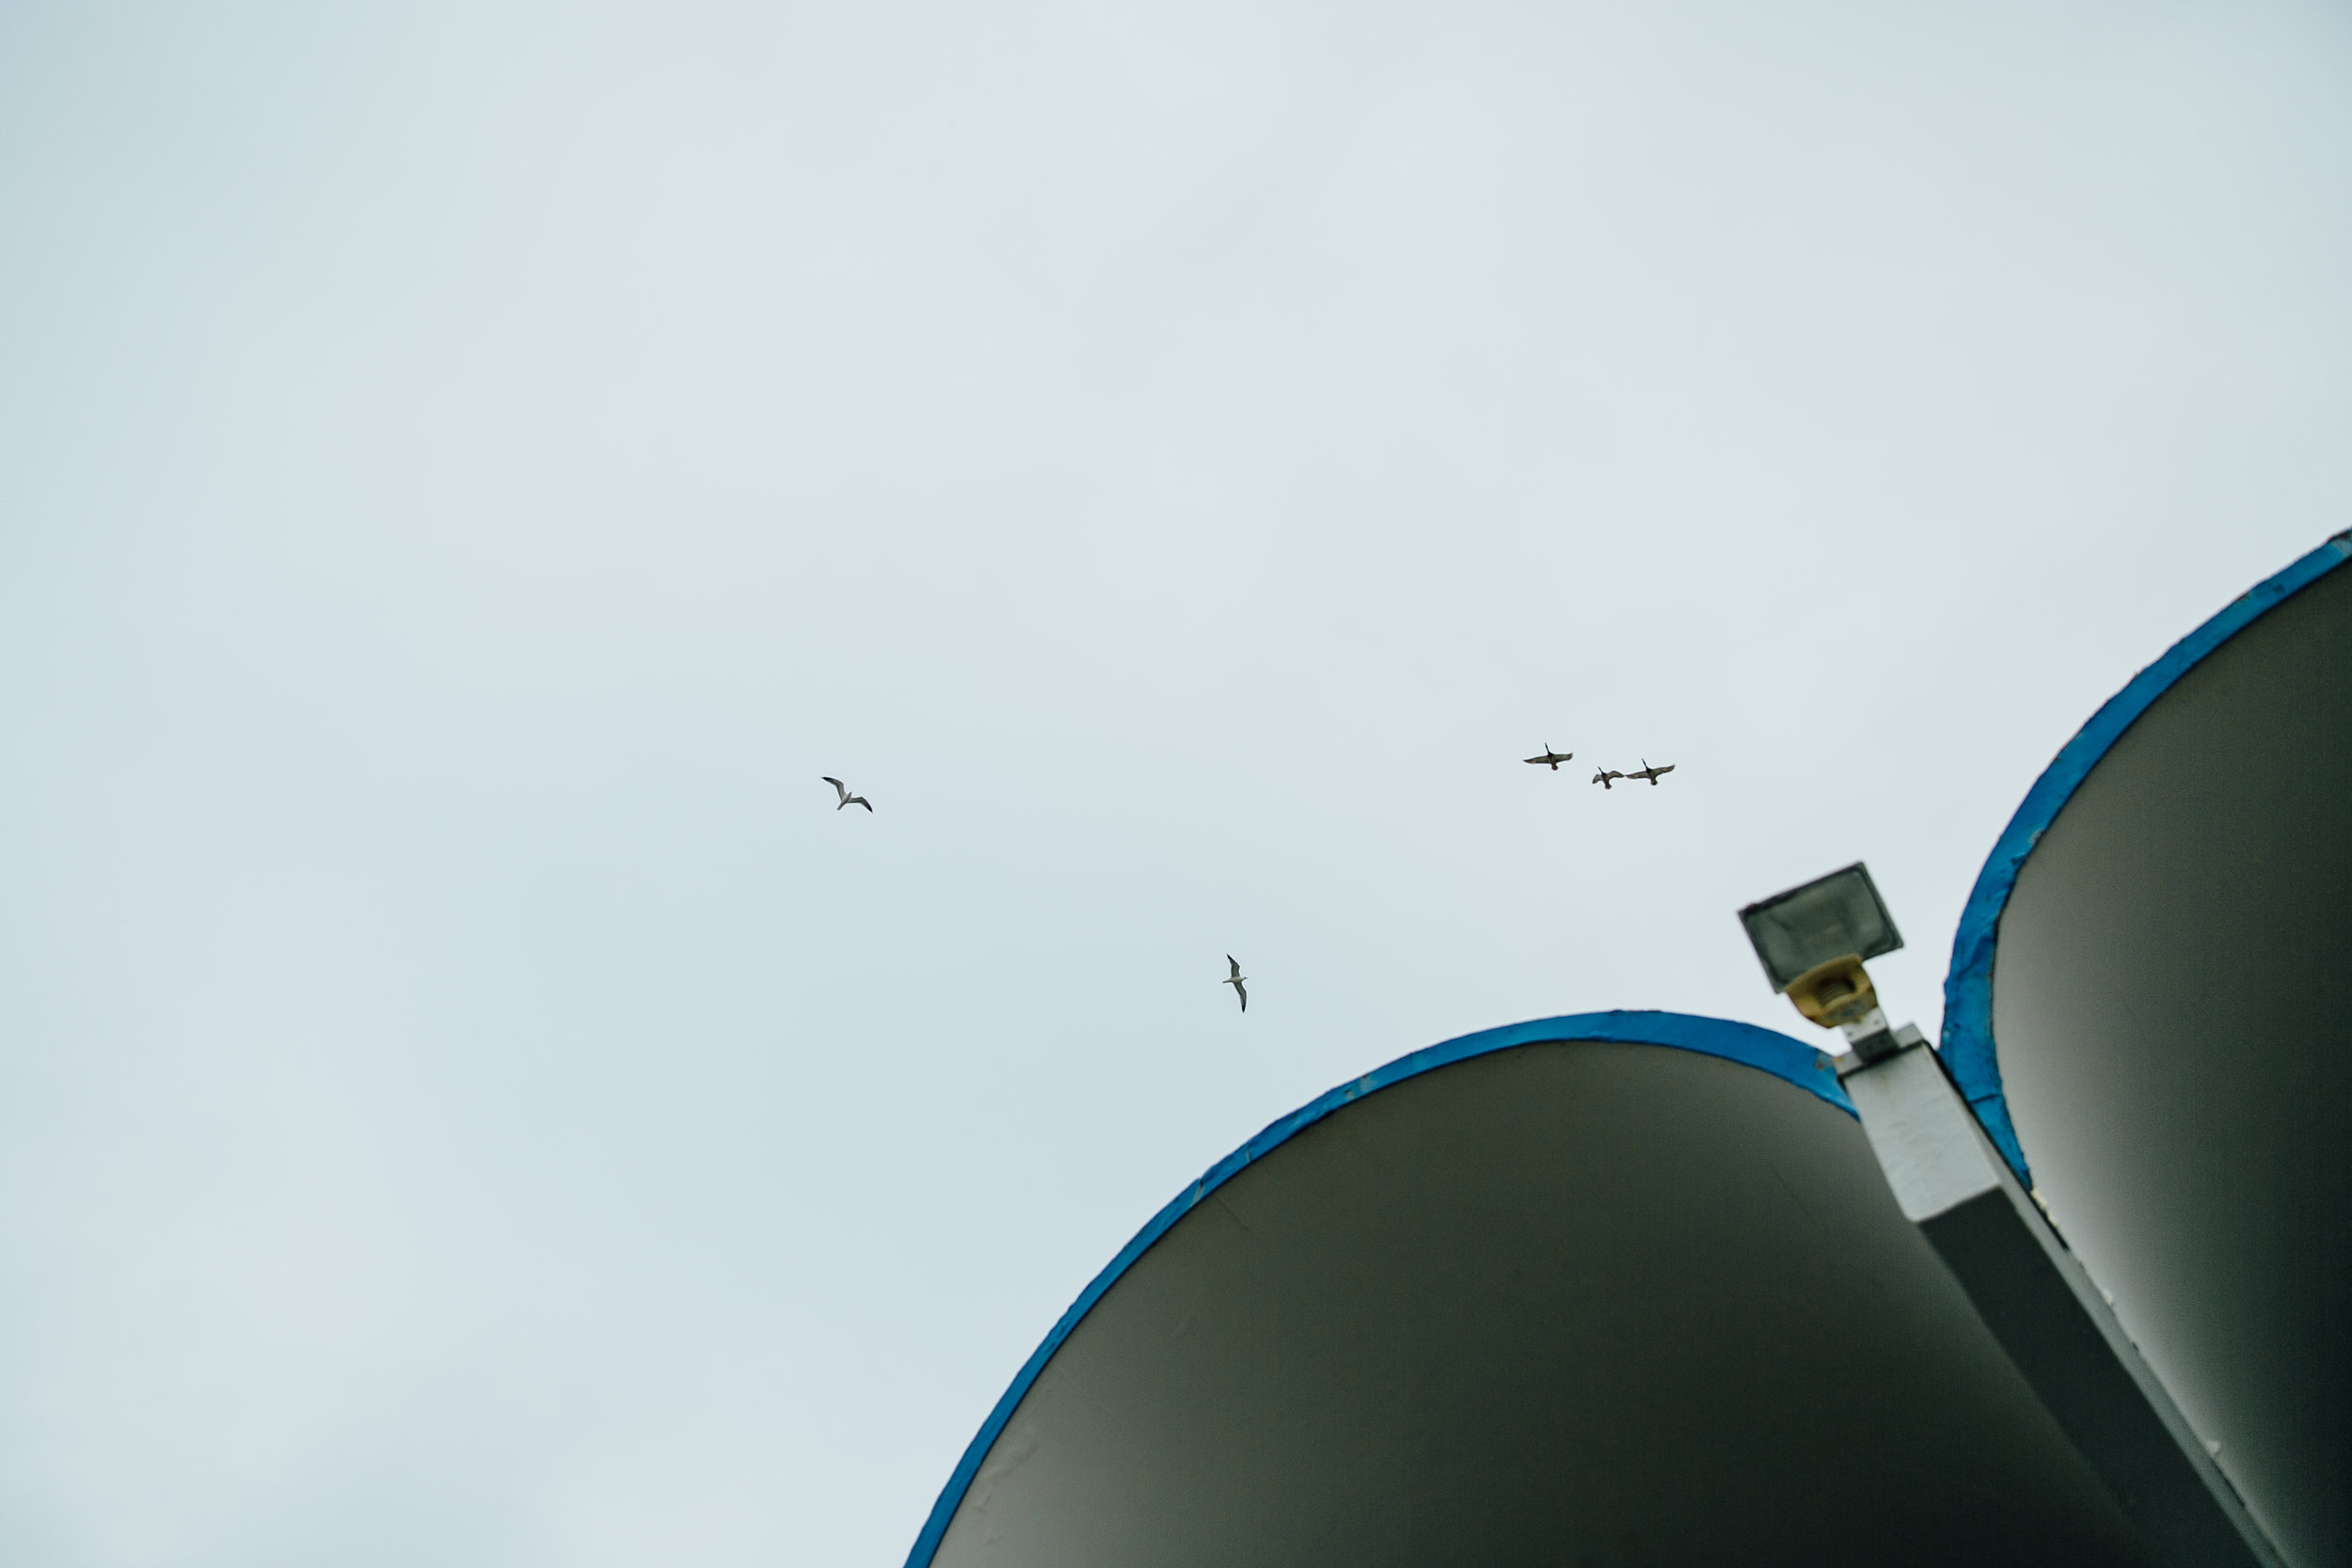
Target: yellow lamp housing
{"type": "Point", "coordinates": [1836, 993]}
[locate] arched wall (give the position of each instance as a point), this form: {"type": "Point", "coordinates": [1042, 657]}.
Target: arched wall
{"type": "Point", "coordinates": [1613, 1289]}
{"type": "Point", "coordinates": [2148, 1009]}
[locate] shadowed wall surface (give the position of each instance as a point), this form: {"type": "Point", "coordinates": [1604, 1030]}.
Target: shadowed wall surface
{"type": "Point", "coordinates": [2170, 990]}
{"type": "Point", "coordinates": [1569, 1302]}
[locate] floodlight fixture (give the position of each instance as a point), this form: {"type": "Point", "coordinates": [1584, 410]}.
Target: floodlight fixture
{"type": "Point", "coordinates": [1812, 941]}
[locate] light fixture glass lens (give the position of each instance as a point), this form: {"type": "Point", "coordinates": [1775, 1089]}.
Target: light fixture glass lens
{"type": "Point", "coordinates": [1841, 913]}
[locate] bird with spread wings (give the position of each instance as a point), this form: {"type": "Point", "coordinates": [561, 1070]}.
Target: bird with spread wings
{"type": "Point", "coordinates": [1236, 980]}
{"type": "Point", "coordinates": [847, 799]}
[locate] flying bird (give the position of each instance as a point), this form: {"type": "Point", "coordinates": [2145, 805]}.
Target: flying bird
{"type": "Point", "coordinates": [1554, 758]}
{"type": "Point", "coordinates": [1652, 774]}
{"type": "Point", "coordinates": [1606, 774]}
{"type": "Point", "coordinates": [1236, 980]}
{"type": "Point", "coordinates": [847, 799]}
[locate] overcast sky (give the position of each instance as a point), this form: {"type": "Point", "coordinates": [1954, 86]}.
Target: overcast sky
{"type": "Point", "coordinates": [467, 1098]}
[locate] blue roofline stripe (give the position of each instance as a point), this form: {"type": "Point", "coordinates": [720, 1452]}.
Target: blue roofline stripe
{"type": "Point", "coordinates": [1969, 1049]}
{"type": "Point", "coordinates": [1744, 1043]}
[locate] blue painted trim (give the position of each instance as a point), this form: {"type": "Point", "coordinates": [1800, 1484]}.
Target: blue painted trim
{"type": "Point", "coordinates": [1744, 1043]}
{"type": "Point", "coordinates": [1970, 1052]}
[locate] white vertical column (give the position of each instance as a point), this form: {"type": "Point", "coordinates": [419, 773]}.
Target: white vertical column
{"type": "Point", "coordinates": [2047, 1313]}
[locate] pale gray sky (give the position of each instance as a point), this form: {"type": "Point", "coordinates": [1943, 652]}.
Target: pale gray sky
{"type": "Point", "coordinates": [467, 1097]}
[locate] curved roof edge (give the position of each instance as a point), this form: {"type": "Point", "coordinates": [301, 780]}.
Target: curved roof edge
{"type": "Point", "coordinates": [1744, 1043]}
{"type": "Point", "coordinates": [1969, 1051]}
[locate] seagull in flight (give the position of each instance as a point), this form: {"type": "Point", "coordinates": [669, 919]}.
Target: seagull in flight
{"type": "Point", "coordinates": [1554, 758]}
{"type": "Point", "coordinates": [1236, 980]}
{"type": "Point", "coordinates": [847, 799]}
{"type": "Point", "coordinates": [1604, 775]}
{"type": "Point", "coordinates": [1652, 774]}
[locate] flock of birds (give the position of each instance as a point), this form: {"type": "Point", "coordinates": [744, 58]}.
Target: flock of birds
{"type": "Point", "coordinates": [1605, 777]}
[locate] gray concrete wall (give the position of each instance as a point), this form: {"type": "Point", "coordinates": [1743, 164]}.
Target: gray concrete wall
{"type": "Point", "coordinates": [1570, 1303]}
{"type": "Point", "coordinates": [2171, 993]}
